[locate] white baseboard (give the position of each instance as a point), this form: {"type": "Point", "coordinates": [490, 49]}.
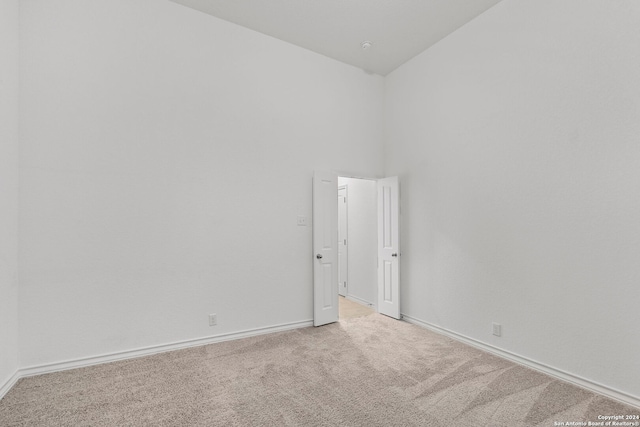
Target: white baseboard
{"type": "Point", "coordinates": [360, 301]}
{"type": "Point", "coordinates": [8, 384]}
{"type": "Point", "coordinates": [541, 367]}
{"type": "Point", "coordinates": [147, 351]}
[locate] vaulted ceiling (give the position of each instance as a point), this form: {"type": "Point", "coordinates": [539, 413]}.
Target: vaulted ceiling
{"type": "Point", "coordinates": [397, 30]}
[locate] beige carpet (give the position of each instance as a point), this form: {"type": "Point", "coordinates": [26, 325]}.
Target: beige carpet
{"type": "Point", "coordinates": [349, 309]}
{"type": "Point", "coordinates": [363, 371]}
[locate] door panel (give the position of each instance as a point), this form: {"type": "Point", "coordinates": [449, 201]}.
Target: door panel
{"type": "Point", "coordinates": [327, 285]}
{"type": "Point", "coordinates": [388, 247]}
{"type": "Point", "coordinates": [388, 280]}
{"type": "Point", "coordinates": [325, 248]}
{"type": "Point", "coordinates": [387, 217]}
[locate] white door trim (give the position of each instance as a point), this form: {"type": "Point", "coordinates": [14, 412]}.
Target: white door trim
{"type": "Point", "coordinates": [343, 241]}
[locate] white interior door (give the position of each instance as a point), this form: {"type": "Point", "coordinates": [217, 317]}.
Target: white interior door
{"type": "Point", "coordinates": [325, 248]}
{"type": "Point", "coordinates": [388, 247]}
{"type": "Point", "coordinates": [343, 265]}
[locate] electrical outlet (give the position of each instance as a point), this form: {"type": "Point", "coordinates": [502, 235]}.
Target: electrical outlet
{"type": "Point", "coordinates": [213, 319]}
{"type": "Point", "coordinates": [302, 220]}
{"type": "Point", "coordinates": [497, 329]}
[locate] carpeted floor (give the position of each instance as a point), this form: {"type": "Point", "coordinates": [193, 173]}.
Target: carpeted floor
{"type": "Point", "coordinates": [363, 371]}
{"type": "Point", "coordinates": [349, 309]}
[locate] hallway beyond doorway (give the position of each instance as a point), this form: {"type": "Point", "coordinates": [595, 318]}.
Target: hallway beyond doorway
{"type": "Point", "coordinates": [351, 309]}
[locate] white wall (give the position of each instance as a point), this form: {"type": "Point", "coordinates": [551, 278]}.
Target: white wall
{"type": "Point", "coordinates": [516, 141]}
{"type": "Point", "coordinates": [9, 98]}
{"type": "Point", "coordinates": [166, 155]}
{"type": "Point", "coordinates": [362, 238]}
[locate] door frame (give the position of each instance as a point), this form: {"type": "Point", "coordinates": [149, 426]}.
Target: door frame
{"type": "Point", "coordinates": [346, 219]}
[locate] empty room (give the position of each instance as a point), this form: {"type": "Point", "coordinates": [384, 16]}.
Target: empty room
{"type": "Point", "coordinates": [319, 213]}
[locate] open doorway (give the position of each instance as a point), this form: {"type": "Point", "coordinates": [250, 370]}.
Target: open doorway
{"type": "Point", "coordinates": [349, 309]}
{"type": "Point", "coordinates": [325, 248]}
{"type": "Point", "coordinates": [357, 246]}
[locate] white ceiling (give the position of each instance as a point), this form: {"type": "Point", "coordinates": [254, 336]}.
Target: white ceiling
{"type": "Point", "coordinates": [397, 29]}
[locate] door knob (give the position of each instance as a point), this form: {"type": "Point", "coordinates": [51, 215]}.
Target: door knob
{"type": "Point", "coordinates": [319, 256]}
{"type": "Point", "coordinates": [394, 254]}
